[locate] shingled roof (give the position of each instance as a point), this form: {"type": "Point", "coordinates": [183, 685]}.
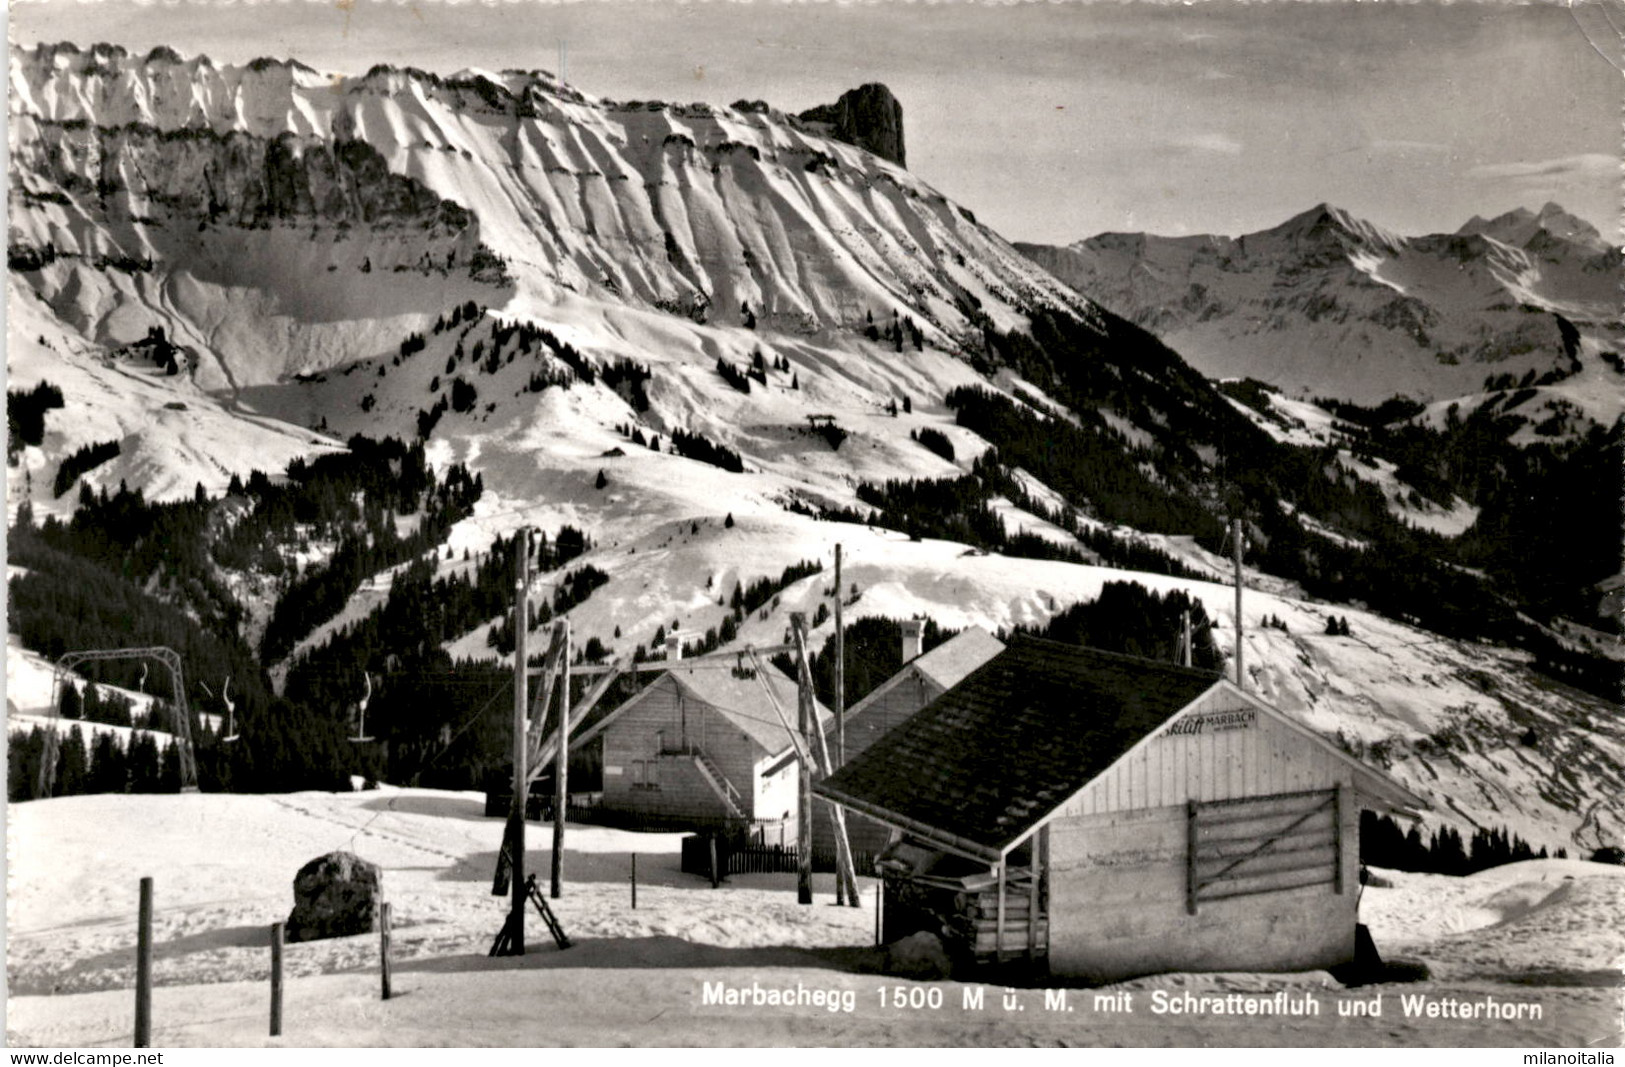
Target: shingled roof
{"type": "Point", "coordinates": [1022, 733]}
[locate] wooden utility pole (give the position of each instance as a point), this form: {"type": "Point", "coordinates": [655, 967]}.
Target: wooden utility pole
{"type": "Point", "coordinates": [804, 782]}
{"type": "Point", "coordinates": [1185, 651]}
{"type": "Point", "coordinates": [1235, 536]}
{"type": "Point", "coordinates": [846, 881]}
{"type": "Point", "coordinates": [561, 765]}
{"type": "Point", "coordinates": [840, 670]}
{"type": "Point", "coordinates": [521, 706]}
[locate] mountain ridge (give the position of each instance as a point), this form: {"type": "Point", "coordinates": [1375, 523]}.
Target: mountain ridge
{"type": "Point", "coordinates": [1327, 304]}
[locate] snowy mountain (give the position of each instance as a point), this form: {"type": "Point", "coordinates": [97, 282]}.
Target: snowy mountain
{"type": "Point", "coordinates": [231, 269]}
{"type": "Point", "coordinates": [160, 191]}
{"type": "Point", "coordinates": [1327, 304]}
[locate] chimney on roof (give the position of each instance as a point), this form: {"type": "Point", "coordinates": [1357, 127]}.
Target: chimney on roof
{"type": "Point", "coordinates": [674, 648]}
{"type": "Point", "coordinates": [913, 638]}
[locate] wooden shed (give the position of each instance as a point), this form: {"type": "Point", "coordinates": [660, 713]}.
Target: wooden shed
{"type": "Point", "coordinates": [1117, 816]}
{"type": "Point", "coordinates": [700, 747]}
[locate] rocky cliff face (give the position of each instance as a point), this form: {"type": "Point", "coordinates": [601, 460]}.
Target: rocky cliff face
{"type": "Point", "coordinates": [869, 117]}
{"type": "Point", "coordinates": [179, 166]}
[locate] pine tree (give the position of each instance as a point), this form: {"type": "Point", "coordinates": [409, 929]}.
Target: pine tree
{"type": "Point", "coordinates": [170, 777]}
{"type": "Point", "coordinates": [146, 771]}
{"type": "Point", "coordinates": [728, 523]}
{"type": "Point", "coordinates": [72, 763]}
{"type": "Point", "coordinates": [108, 766]}
{"type": "Point", "coordinates": [602, 480]}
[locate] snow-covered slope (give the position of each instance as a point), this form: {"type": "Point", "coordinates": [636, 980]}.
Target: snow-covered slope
{"type": "Point", "coordinates": [1327, 304]}
{"type": "Point", "coordinates": [1540, 932]}
{"type": "Point", "coordinates": [173, 435]}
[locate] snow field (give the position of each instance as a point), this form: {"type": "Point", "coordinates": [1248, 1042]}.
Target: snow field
{"type": "Point", "coordinates": [1536, 932]}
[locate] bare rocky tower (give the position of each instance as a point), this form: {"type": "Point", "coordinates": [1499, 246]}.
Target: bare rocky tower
{"type": "Point", "coordinates": [869, 117]}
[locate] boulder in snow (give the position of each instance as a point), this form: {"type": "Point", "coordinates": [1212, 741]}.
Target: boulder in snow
{"type": "Point", "coordinates": [335, 895]}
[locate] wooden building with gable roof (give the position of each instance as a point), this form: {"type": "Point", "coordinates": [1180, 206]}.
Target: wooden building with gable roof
{"type": "Point", "coordinates": [700, 747]}
{"type": "Point", "coordinates": [1117, 816]}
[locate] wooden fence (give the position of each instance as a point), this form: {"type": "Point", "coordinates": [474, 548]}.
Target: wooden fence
{"type": "Point", "coordinates": [735, 856]}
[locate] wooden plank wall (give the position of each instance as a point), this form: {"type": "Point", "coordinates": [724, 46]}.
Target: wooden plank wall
{"type": "Point", "coordinates": [1215, 763]}
{"type": "Point", "coordinates": [636, 735]}
{"type": "Point", "coordinates": [1119, 904]}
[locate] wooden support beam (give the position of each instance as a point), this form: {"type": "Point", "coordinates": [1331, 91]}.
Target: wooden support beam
{"type": "Point", "coordinates": [797, 742]}
{"type": "Point", "coordinates": [1044, 889]}
{"type": "Point", "coordinates": [1032, 899]}
{"type": "Point", "coordinates": [804, 795]}
{"type": "Point", "coordinates": [1338, 875]}
{"type": "Point", "coordinates": [709, 661]}
{"type": "Point", "coordinates": [840, 670]}
{"type": "Point", "coordinates": [545, 750]}
{"type": "Point", "coordinates": [998, 931]}
{"type": "Point", "coordinates": [515, 944]}
{"type": "Point", "coordinates": [561, 763]}
{"type": "Point", "coordinates": [846, 881]}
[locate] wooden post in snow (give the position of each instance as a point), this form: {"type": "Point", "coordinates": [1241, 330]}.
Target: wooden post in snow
{"type": "Point", "coordinates": [1235, 535]}
{"type": "Point", "coordinates": [634, 881]}
{"type": "Point", "coordinates": [521, 708]}
{"type": "Point", "coordinates": [561, 765]}
{"type": "Point", "coordinates": [383, 949]}
{"type": "Point", "coordinates": [276, 979]}
{"type": "Point", "coordinates": [143, 967]}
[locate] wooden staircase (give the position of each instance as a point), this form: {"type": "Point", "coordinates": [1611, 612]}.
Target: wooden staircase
{"type": "Point", "coordinates": [719, 783]}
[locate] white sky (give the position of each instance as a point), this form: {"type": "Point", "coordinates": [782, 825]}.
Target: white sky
{"type": "Point", "coordinates": [1052, 121]}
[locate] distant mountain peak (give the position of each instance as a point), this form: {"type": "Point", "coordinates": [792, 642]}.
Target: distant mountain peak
{"type": "Point", "coordinates": [1520, 226]}
{"type": "Point", "coordinates": [1326, 222]}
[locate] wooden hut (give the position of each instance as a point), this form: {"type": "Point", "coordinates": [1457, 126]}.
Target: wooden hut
{"type": "Point", "coordinates": [700, 747]}
{"type": "Point", "coordinates": [1117, 816]}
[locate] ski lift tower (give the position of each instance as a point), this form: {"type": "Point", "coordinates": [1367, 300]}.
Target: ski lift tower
{"type": "Point", "coordinates": [183, 714]}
